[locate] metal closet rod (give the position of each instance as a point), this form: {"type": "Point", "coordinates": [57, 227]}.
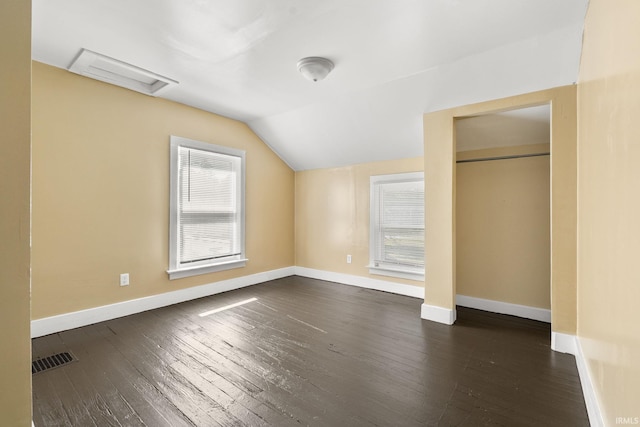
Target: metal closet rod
{"type": "Point", "coordinates": [514, 156]}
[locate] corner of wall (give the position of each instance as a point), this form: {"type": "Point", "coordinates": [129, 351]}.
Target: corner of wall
{"type": "Point", "coordinates": [437, 314]}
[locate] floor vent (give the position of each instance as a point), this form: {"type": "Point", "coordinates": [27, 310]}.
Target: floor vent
{"type": "Point", "coordinates": [50, 362]}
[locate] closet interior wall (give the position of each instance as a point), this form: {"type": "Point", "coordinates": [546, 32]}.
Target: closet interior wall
{"type": "Point", "coordinates": [503, 224]}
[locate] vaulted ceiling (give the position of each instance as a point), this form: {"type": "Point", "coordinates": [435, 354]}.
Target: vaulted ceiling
{"type": "Point", "coordinates": [394, 60]}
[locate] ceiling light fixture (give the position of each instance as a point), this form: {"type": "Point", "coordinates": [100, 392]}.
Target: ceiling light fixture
{"type": "Point", "coordinates": [315, 68]}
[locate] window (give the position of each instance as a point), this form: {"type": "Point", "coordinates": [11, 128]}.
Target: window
{"type": "Point", "coordinates": [396, 241]}
{"type": "Point", "coordinates": [207, 208]}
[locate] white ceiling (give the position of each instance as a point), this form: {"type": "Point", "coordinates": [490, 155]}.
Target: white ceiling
{"type": "Point", "coordinates": [395, 60]}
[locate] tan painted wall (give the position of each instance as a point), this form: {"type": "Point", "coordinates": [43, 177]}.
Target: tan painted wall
{"type": "Point", "coordinates": [502, 226]}
{"type": "Point", "coordinates": [15, 151]}
{"type": "Point", "coordinates": [332, 216]}
{"type": "Point", "coordinates": [609, 204]}
{"type": "Point", "coordinates": [440, 209]}
{"type": "Point", "coordinates": [101, 192]}
{"type": "Point", "coordinates": [440, 237]}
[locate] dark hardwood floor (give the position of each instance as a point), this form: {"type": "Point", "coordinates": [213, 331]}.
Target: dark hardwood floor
{"type": "Point", "coordinates": [307, 352]}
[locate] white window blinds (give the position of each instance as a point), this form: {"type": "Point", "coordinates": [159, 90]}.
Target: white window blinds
{"type": "Point", "coordinates": [397, 223]}
{"type": "Point", "coordinates": [207, 208]}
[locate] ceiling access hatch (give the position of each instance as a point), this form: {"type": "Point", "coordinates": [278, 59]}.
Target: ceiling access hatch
{"type": "Point", "coordinates": [113, 71]}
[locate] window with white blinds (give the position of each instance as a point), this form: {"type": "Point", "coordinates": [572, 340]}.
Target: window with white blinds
{"type": "Point", "coordinates": [397, 225]}
{"type": "Point", "coordinates": [207, 208]}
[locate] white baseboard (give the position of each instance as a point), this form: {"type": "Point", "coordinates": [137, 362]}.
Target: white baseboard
{"type": "Point", "coordinates": [438, 314]}
{"type": "Point", "coordinates": [541, 314]}
{"type": "Point", "coordinates": [433, 312]}
{"type": "Point", "coordinates": [563, 343]}
{"type": "Point", "coordinates": [76, 319]}
{"type": "Point", "coordinates": [361, 281]}
{"type": "Point", "coordinates": [428, 312]}
{"type": "Point", "coordinates": [63, 322]}
{"type": "Point", "coordinates": [590, 396]}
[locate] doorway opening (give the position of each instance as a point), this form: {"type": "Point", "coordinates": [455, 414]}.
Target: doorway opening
{"type": "Point", "coordinates": [502, 212]}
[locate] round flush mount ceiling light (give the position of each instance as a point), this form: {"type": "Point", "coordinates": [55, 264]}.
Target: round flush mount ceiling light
{"type": "Point", "coordinates": [315, 68]}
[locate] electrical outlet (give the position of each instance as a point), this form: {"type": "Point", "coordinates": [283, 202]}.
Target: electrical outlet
{"type": "Point", "coordinates": [348, 259]}
{"type": "Point", "coordinates": [124, 279]}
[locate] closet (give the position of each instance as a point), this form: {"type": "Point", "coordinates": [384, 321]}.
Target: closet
{"type": "Point", "coordinates": [503, 208]}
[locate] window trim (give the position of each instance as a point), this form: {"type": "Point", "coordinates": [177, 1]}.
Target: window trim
{"type": "Point", "coordinates": [175, 271]}
{"type": "Point", "coordinates": [402, 272]}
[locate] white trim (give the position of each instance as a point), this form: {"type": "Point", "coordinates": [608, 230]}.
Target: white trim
{"type": "Point", "coordinates": [588, 390]}
{"type": "Point", "coordinates": [106, 69]}
{"type": "Point", "coordinates": [570, 344]}
{"type": "Point", "coordinates": [535, 313]}
{"type": "Point", "coordinates": [363, 282]}
{"type": "Point", "coordinates": [63, 322]}
{"type": "Point", "coordinates": [394, 272]}
{"type": "Point", "coordinates": [563, 343]}
{"type": "Point", "coordinates": [377, 265]}
{"type": "Point", "coordinates": [204, 269]}
{"type": "Point", "coordinates": [438, 314]}
{"type": "Point", "coordinates": [176, 270]}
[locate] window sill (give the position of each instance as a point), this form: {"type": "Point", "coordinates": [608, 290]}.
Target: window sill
{"type": "Point", "coordinates": [400, 274]}
{"type": "Point", "coordinates": [204, 269]}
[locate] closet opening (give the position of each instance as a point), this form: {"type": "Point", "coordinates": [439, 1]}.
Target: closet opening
{"type": "Point", "coordinates": [502, 214]}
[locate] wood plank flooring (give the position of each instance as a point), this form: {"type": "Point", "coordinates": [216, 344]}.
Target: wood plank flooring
{"type": "Point", "coordinates": [307, 352]}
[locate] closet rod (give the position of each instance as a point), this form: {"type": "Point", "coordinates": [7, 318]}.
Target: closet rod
{"type": "Point", "coordinates": [515, 156]}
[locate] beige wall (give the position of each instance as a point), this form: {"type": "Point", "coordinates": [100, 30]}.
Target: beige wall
{"type": "Point", "coordinates": [440, 177]}
{"type": "Point", "coordinates": [609, 204]}
{"type": "Point", "coordinates": [502, 226]}
{"type": "Point", "coordinates": [332, 216]}
{"type": "Point", "coordinates": [15, 87]}
{"type": "Point", "coordinates": [101, 193]}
